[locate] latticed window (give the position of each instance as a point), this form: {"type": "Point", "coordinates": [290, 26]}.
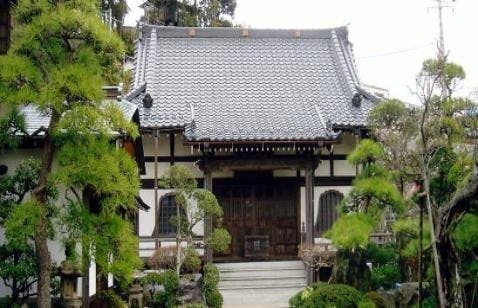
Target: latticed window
{"type": "Point", "coordinates": [327, 213]}
{"type": "Point", "coordinates": [167, 209]}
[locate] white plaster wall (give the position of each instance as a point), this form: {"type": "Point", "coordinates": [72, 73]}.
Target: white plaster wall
{"type": "Point", "coordinates": [318, 190]}
{"type": "Point", "coordinates": [346, 145]}
{"type": "Point", "coordinates": [13, 158]}
{"type": "Point", "coordinates": [163, 145]}
{"type": "Point", "coordinates": [92, 278]}
{"type": "Point", "coordinates": [149, 170]}
{"type": "Point", "coordinates": [179, 148]}
{"type": "Point", "coordinates": [323, 169]}
{"type": "Point", "coordinates": [147, 220]}
{"type": "Point", "coordinates": [343, 168]}
{"type": "Point", "coordinates": [196, 172]}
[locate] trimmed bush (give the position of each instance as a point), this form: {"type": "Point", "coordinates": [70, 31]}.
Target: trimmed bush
{"type": "Point", "coordinates": [211, 275]}
{"type": "Point", "coordinates": [376, 299]}
{"type": "Point", "coordinates": [170, 281]}
{"type": "Point", "coordinates": [329, 295]}
{"type": "Point", "coordinates": [385, 276]}
{"type": "Point", "coordinates": [213, 298]}
{"type": "Point", "coordinates": [192, 262]}
{"type": "Point", "coordinates": [110, 299]}
{"type": "Point", "coordinates": [211, 280]}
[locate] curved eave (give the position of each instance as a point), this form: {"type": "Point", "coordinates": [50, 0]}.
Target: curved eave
{"type": "Point", "coordinates": [239, 142]}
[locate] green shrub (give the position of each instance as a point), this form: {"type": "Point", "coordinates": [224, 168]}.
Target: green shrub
{"type": "Point", "coordinates": [376, 299]}
{"type": "Point", "coordinates": [339, 295]}
{"type": "Point", "coordinates": [170, 281]}
{"type": "Point", "coordinates": [329, 295]}
{"type": "Point", "coordinates": [193, 305]}
{"type": "Point", "coordinates": [213, 298]}
{"type": "Point", "coordinates": [385, 276]}
{"type": "Point", "coordinates": [111, 299]}
{"type": "Point", "coordinates": [211, 275]}
{"type": "Point", "coordinates": [192, 262]}
{"type": "Point", "coordinates": [211, 280]}
{"type": "Point", "coordinates": [366, 303]}
{"type": "Point", "coordinates": [299, 299]}
{"type": "Point", "coordinates": [163, 300]}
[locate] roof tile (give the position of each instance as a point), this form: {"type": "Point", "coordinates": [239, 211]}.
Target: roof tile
{"type": "Point", "coordinates": [272, 85]}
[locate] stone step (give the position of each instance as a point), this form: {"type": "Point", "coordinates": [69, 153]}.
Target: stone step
{"type": "Point", "coordinates": [251, 278]}
{"type": "Point", "coordinates": [262, 283]}
{"type": "Point", "coordinates": [259, 298]}
{"type": "Point", "coordinates": [261, 273]}
{"type": "Point", "coordinates": [264, 287]}
{"type": "Point", "coordinates": [260, 265]}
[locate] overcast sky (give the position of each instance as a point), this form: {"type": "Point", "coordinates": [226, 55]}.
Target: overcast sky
{"type": "Point", "coordinates": [391, 38]}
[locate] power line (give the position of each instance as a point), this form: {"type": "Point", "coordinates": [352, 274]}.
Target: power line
{"type": "Point", "coordinates": [394, 52]}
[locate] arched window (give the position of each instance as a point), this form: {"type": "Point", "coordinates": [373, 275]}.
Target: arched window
{"type": "Point", "coordinates": [167, 209]}
{"type": "Point", "coordinates": [327, 213]}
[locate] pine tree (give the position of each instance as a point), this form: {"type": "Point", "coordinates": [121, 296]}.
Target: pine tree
{"type": "Point", "coordinates": [61, 55]}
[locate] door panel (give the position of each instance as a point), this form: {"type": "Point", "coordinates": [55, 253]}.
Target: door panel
{"type": "Point", "coordinates": [261, 219]}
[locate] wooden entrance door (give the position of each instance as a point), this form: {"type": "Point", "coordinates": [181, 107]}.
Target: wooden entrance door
{"type": "Point", "coordinates": [262, 220]}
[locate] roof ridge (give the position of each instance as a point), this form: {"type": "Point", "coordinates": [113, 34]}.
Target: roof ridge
{"type": "Point", "coordinates": [135, 92]}
{"type": "Point", "coordinates": [149, 69]}
{"type": "Point", "coordinates": [231, 32]}
{"type": "Point", "coordinates": [344, 27]}
{"type": "Point", "coordinates": [137, 59]}
{"type": "Point", "coordinates": [342, 64]}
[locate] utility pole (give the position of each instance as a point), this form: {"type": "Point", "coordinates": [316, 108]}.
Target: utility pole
{"type": "Point", "coordinates": [441, 5]}
{"type": "Point", "coordinates": [441, 38]}
{"type": "Point", "coordinates": [444, 95]}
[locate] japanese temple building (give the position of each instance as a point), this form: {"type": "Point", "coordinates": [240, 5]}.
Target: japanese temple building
{"type": "Point", "coordinates": [263, 118]}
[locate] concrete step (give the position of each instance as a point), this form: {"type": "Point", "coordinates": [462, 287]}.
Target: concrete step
{"type": "Point", "coordinates": [259, 298]}
{"type": "Point", "coordinates": [260, 265]}
{"type": "Point", "coordinates": [262, 283]}
{"type": "Point", "coordinates": [276, 276]}
{"type": "Point", "coordinates": [248, 273]}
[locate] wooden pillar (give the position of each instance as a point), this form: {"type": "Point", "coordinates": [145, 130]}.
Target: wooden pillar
{"type": "Point", "coordinates": [309, 209]}
{"type": "Point", "coordinates": [208, 219]}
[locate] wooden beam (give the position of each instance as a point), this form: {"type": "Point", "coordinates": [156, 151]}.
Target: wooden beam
{"type": "Point", "coordinates": [272, 163]}
{"type": "Point", "coordinates": [208, 219]}
{"type": "Point", "coordinates": [310, 166]}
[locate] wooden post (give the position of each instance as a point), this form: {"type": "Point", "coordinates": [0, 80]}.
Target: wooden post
{"type": "Point", "coordinates": [207, 219]}
{"type": "Point", "coordinates": [309, 210]}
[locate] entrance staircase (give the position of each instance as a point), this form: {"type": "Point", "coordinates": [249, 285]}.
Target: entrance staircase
{"type": "Point", "coordinates": [260, 284]}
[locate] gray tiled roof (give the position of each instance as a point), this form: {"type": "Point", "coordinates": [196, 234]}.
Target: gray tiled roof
{"type": "Point", "coordinates": [37, 121]}
{"type": "Point", "coordinates": [270, 85]}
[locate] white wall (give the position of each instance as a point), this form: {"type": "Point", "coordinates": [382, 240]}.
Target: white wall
{"type": "Point", "coordinates": [318, 191]}
{"type": "Point", "coordinates": [147, 220]}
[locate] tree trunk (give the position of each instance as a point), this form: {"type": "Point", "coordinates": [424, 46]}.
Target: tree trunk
{"type": "Point", "coordinates": [15, 286]}
{"type": "Point", "coordinates": [44, 261]}
{"type": "Point", "coordinates": [40, 194]}
{"type": "Point", "coordinates": [178, 239]}
{"type": "Point", "coordinates": [433, 240]}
